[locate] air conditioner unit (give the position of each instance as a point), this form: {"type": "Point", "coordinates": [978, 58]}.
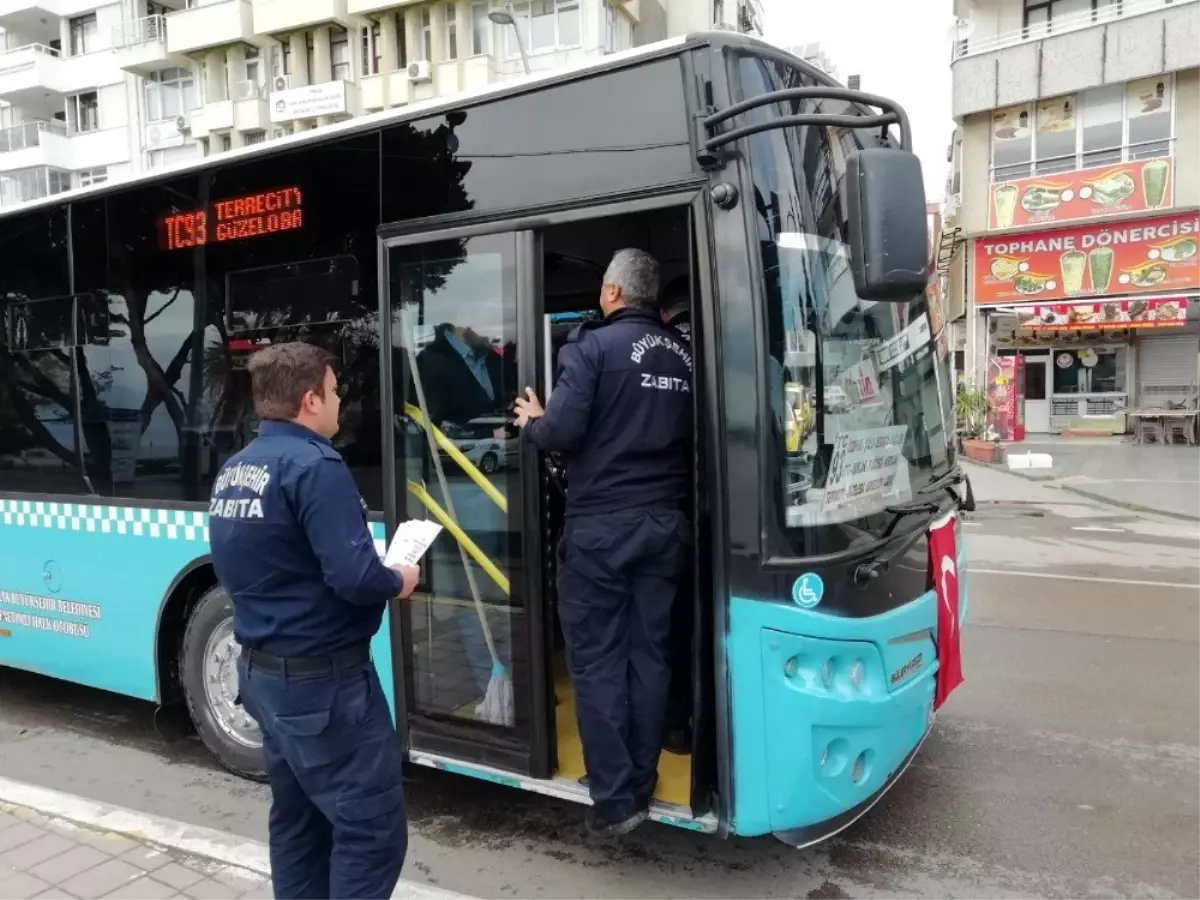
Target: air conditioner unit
{"type": "Point", "coordinates": [419, 72]}
{"type": "Point", "coordinates": [279, 83]}
{"type": "Point", "coordinates": [181, 122]}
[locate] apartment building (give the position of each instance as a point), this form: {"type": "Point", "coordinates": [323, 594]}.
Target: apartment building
{"type": "Point", "coordinates": [1071, 230]}
{"type": "Point", "coordinates": [92, 91]}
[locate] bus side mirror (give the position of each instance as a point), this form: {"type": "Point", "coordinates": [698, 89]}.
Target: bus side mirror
{"type": "Point", "coordinates": [888, 232]}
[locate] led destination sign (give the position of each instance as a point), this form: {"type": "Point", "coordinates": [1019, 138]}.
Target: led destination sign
{"type": "Point", "coordinates": [233, 220]}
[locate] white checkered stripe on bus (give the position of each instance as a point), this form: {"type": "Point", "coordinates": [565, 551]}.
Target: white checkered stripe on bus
{"type": "Point", "coordinates": [163, 524]}
{"type": "Point", "coordinates": [167, 524]}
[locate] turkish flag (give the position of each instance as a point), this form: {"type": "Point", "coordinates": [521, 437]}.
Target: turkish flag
{"type": "Point", "coordinates": [943, 571]}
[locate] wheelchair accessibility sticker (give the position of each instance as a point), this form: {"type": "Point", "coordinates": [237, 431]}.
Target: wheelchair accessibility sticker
{"type": "Point", "coordinates": [808, 590]}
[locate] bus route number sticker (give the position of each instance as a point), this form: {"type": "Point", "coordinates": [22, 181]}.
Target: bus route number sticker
{"type": "Point", "coordinates": [863, 467]}
{"type": "Point", "coordinates": [808, 590]}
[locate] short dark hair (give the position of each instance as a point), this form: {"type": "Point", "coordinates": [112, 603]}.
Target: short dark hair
{"type": "Point", "coordinates": [280, 376]}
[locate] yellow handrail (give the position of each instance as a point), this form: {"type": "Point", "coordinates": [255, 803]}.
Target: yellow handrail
{"type": "Point", "coordinates": [418, 491]}
{"type": "Point", "coordinates": [455, 454]}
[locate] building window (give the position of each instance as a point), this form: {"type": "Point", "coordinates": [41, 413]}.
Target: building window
{"type": "Point", "coordinates": [83, 112]}
{"type": "Point", "coordinates": [480, 29]}
{"type": "Point", "coordinates": [253, 64]}
{"type": "Point", "coordinates": [451, 31]}
{"type": "Point", "coordinates": [170, 93]}
{"type": "Point", "coordinates": [32, 184]}
{"type": "Point", "coordinates": [401, 41]}
{"type": "Point", "coordinates": [89, 177]}
{"type": "Point", "coordinates": [611, 28]}
{"type": "Point", "coordinates": [339, 54]}
{"type": "Point", "coordinates": [546, 25]}
{"type": "Point", "coordinates": [1099, 127]}
{"type": "Point", "coordinates": [426, 33]}
{"type": "Point", "coordinates": [1043, 17]}
{"type": "Point", "coordinates": [226, 142]}
{"type": "Point", "coordinates": [372, 49]}
{"type": "Point", "coordinates": [254, 137]}
{"type": "Point", "coordinates": [84, 34]}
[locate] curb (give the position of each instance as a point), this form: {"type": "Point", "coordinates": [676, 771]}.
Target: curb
{"type": "Point", "coordinates": [197, 840]}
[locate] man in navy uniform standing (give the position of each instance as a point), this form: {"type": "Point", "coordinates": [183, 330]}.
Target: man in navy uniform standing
{"type": "Point", "coordinates": [291, 545]}
{"type": "Point", "coordinates": [621, 415]}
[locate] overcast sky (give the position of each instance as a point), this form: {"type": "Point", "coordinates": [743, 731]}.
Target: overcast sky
{"type": "Point", "coordinates": [901, 50]}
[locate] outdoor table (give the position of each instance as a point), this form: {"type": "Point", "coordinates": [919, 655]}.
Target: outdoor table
{"type": "Point", "coordinates": [1163, 414]}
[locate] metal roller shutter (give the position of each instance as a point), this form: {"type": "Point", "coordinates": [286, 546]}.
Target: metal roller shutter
{"type": "Point", "coordinates": [1166, 366]}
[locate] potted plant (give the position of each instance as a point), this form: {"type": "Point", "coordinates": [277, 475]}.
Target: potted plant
{"type": "Point", "coordinates": [972, 408]}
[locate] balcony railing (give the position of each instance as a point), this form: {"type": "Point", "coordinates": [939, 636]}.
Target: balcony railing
{"type": "Point", "coordinates": [32, 184]}
{"type": "Point", "coordinates": [147, 30]}
{"type": "Point", "coordinates": [1087, 159]}
{"type": "Point", "coordinates": [14, 59]}
{"type": "Point", "coordinates": [1062, 25]}
{"type": "Point", "coordinates": [22, 137]}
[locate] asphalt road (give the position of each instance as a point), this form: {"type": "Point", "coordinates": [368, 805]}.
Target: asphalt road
{"type": "Point", "coordinates": [1067, 765]}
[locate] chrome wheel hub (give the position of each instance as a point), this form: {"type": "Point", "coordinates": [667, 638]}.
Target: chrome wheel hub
{"type": "Point", "coordinates": [221, 654]}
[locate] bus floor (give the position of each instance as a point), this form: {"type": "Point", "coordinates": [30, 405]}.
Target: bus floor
{"type": "Point", "coordinates": [674, 771]}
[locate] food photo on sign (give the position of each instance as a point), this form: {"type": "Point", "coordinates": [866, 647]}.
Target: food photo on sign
{"type": "Point", "coordinates": [1135, 186]}
{"type": "Point", "coordinates": [1160, 312]}
{"type": "Point", "coordinates": [1130, 258]}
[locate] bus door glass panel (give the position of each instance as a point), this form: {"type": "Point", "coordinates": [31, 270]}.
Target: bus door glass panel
{"type": "Point", "coordinates": [454, 351]}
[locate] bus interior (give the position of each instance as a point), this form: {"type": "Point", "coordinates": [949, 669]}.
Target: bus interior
{"type": "Point", "coordinates": [575, 257]}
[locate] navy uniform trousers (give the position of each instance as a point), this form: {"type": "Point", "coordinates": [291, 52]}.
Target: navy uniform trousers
{"type": "Point", "coordinates": [618, 577]}
{"type": "Point", "coordinates": [337, 821]}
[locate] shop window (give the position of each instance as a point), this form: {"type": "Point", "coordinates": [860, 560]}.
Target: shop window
{"type": "Point", "coordinates": [1056, 135]}
{"type": "Point", "coordinates": [1090, 370]}
{"type": "Point", "coordinates": [1012, 143]}
{"type": "Point", "coordinates": [1148, 111]}
{"type": "Point", "coordinates": [1103, 125]}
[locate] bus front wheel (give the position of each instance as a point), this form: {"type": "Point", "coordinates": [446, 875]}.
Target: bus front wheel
{"type": "Point", "coordinates": [208, 669]}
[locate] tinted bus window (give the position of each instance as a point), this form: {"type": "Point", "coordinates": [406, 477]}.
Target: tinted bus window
{"type": "Point", "coordinates": [38, 447]}
{"type": "Point", "coordinates": [498, 155]}
{"type": "Point", "coordinates": [290, 255]}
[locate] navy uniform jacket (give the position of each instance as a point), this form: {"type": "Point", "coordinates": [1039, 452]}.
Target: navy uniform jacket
{"type": "Point", "coordinates": [621, 415]}
{"type": "Point", "coordinates": [290, 544]}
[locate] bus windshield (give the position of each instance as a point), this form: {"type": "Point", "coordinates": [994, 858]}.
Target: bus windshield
{"type": "Point", "coordinates": [856, 388]}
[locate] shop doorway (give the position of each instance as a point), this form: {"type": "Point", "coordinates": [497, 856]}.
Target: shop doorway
{"type": "Point", "coordinates": [1037, 394]}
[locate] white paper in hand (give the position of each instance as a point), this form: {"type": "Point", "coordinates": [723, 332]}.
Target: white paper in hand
{"type": "Point", "coordinates": [411, 540]}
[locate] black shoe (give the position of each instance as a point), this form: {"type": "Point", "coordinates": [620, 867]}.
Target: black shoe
{"type": "Point", "coordinates": [678, 741]}
{"type": "Point", "coordinates": [598, 824]}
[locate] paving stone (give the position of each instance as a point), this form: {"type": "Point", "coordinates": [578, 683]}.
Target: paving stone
{"type": "Point", "coordinates": [114, 844]}
{"type": "Point", "coordinates": [54, 894]}
{"type": "Point", "coordinates": [178, 876]}
{"type": "Point", "coordinates": [29, 854]}
{"type": "Point", "coordinates": [66, 865]}
{"type": "Point", "coordinates": [145, 888]}
{"type": "Point", "coordinates": [7, 819]}
{"type": "Point", "coordinates": [238, 879]}
{"type": "Point", "coordinates": [103, 879]}
{"type": "Point", "coordinates": [147, 858]}
{"type": "Point", "coordinates": [21, 886]}
{"type": "Point", "coordinates": [210, 890]}
{"type": "Point", "coordinates": [262, 892]}
{"type": "Point", "coordinates": [16, 835]}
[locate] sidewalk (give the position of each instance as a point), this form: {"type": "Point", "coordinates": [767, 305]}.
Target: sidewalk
{"type": "Point", "coordinates": [59, 845]}
{"type": "Point", "coordinates": [1152, 478]}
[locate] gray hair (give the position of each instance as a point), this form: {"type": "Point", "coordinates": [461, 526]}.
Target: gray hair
{"type": "Point", "coordinates": [635, 272]}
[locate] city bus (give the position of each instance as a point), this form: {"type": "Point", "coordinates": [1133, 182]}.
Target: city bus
{"type": "Point", "coordinates": [442, 252]}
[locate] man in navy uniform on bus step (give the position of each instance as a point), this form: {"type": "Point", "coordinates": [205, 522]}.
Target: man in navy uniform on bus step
{"type": "Point", "coordinates": [291, 545]}
{"type": "Point", "coordinates": [621, 415]}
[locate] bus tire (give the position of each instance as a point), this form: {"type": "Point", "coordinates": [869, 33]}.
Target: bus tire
{"type": "Point", "coordinates": [209, 648]}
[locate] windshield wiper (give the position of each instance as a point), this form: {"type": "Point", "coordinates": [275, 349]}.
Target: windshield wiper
{"type": "Point", "coordinates": [947, 482]}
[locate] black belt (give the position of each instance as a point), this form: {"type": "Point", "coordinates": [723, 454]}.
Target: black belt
{"type": "Point", "coordinates": [307, 665]}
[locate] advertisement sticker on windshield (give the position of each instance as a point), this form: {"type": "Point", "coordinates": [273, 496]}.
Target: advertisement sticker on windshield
{"type": "Point", "coordinates": [896, 350]}
{"type": "Point", "coordinates": [863, 468]}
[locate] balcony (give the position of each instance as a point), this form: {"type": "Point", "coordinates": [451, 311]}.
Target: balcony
{"type": "Point", "coordinates": [29, 73]}
{"type": "Point", "coordinates": [203, 26]}
{"type": "Point", "coordinates": [1111, 45]}
{"type": "Point", "coordinates": [141, 46]}
{"type": "Point", "coordinates": [333, 99]}
{"type": "Point", "coordinates": [282, 16]}
{"type": "Point", "coordinates": [370, 7]}
{"type": "Point", "coordinates": [34, 144]}
{"type": "Point", "coordinates": [247, 111]}
{"type": "Point", "coordinates": [26, 185]}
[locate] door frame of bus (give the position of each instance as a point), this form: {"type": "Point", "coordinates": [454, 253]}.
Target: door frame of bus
{"type": "Point", "coordinates": [469, 741]}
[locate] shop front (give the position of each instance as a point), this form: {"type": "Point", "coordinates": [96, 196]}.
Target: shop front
{"type": "Point", "coordinates": [1103, 316]}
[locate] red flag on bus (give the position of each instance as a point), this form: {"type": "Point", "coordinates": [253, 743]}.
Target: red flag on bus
{"type": "Point", "coordinates": [943, 569]}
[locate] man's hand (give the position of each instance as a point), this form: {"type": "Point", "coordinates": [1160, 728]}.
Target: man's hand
{"type": "Point", "coordinates": [411, 576]}
{"type": "Point", "coordinates": [528, 408]}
